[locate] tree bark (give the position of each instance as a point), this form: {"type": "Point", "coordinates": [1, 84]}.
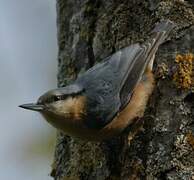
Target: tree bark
{"type": "Point", "coordinates": [90, 30]}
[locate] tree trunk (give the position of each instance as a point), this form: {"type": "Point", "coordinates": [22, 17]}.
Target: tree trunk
{"type": "Point", "coordinates": [90, 30]}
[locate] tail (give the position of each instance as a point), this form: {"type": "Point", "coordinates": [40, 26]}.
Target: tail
{"type": "Point", "coordinates": [158, 36]}
{"type": "Point", "coordinates": [162, 30]}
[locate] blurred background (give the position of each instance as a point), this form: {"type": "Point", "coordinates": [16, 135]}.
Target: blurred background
{"type": "Point", "coordinates": [28, 67]}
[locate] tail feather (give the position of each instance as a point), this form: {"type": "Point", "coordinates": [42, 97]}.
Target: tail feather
{"type": "Point", "coordinates": [159, 35]}
{"type": "Point", "coordinates": [164, 26]}
{"type": "Point", "coordinates": [161, 32]}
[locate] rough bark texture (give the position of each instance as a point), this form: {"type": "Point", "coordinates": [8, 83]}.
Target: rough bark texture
{"type": "Point", "coordinates": [90, 30]}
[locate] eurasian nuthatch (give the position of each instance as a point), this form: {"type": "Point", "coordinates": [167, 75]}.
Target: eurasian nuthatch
{"type": "Point", "coordinates": [109, 96]}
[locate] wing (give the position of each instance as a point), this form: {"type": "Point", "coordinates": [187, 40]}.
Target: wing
{"type": "Point", "coordinates": [109, 85]}
{"type": "Point", "coordinates": [105, 84]}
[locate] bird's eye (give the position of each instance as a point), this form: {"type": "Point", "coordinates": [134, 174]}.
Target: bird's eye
{"type": "Point", "coordinates": [56, 98]}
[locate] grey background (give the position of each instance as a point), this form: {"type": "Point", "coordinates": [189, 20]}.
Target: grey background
{"type": "Point", "coordinates": [28, 65]}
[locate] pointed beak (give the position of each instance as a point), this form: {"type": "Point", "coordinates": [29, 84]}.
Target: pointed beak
{"type": "Point", "coordinates": [33, 107]}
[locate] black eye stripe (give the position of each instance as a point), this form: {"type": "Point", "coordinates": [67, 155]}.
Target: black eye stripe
{"type": "Point", "coordinates": [54, 98]}
{"type": "Point", "coordinates": [59, 97]}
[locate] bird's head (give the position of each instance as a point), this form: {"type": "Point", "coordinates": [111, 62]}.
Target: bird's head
{"type": "Point", "coordinates": [65, 102]}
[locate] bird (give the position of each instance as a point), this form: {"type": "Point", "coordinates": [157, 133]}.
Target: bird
{"type": "Point", "coordinates": [110, 96]}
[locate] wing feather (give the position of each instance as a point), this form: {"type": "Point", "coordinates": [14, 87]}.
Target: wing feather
{"type": "Point", "coordinates": [109, 85]}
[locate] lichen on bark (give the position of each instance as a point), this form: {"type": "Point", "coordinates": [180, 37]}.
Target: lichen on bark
{"type": "Point", "coordinates": [90, 30]}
